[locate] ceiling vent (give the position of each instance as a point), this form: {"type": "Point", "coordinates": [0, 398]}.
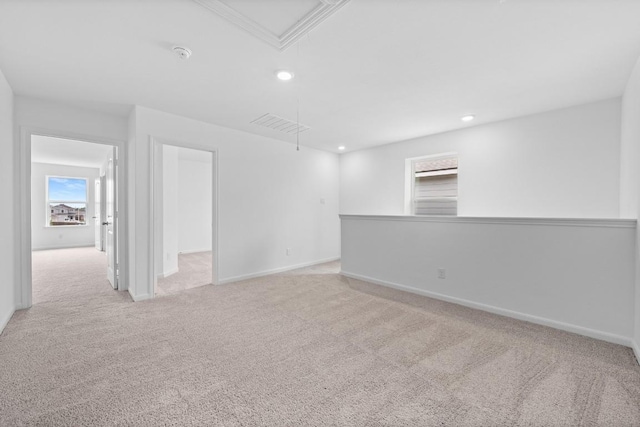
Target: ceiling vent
{"type": "Point", "coordinates": [274, 122]}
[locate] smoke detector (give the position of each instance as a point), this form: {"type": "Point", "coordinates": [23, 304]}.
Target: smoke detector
{"type": "Point", "coordinates": [182, 52]}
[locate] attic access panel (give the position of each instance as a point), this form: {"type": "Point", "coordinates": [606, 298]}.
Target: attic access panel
{"type": "Point", "coordinates": [277, 22]}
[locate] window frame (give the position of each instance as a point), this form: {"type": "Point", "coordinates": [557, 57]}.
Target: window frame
{"type": "Point", "coordinates": [48, 201]}
{"type": "Point", "coordinates": [410, 182]}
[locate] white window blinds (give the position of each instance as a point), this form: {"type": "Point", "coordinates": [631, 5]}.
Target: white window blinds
{"type": "Point", "coordinates": [435, 190]}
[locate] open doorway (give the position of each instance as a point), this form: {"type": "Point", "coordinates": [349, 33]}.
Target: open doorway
{"type": "Point", "coordinates": [73, 218]}
{"type": "Point", "coordinates": [184, 205]}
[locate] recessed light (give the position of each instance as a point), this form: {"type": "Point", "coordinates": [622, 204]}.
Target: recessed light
{"type": "Point", "coordinates": [467, 118]}
{"type": "Point", "coordinates": [284, 75]}
{"type": "Point", "coordinates": [342, 147]}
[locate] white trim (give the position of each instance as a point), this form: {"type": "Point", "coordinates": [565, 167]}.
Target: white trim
{"type": "Point", "coordinates": [592, 333]}
{"type": "Point", "coordinates": [636, 351]}
{"type": "Point", "coordinates": [194, 251]}
{"type": "Point", "coordinates": [437, 173]}
{"type": "Point", "coordinates": [141, 297]}
{"type": "Point", "coordinates": [48, 248]}
{"type": "Point", "coordinates": [564, 222]}
{"type": "Point", "coordinates": [23, 206]}
{"type": "Point", "coordinates": [433, 156]}
{"type": "Point", "coordinates": [48, 202]}
{"type": "Point", "coordinates": [324, 9]}
{"type": "Point", "coordinates": [23, 293]}
{"type": "Point", "coordinates": [4, 322]}
{"type": "Point", "coordinates": [274, 271]}
{"type": "Point", "coordinates": [215, 221]}
{"type": "Point", "coordinates": [155, 150]}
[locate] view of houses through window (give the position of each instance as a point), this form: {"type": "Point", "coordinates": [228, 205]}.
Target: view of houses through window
{"type": "Point", "coordinates": [66, 201]}
{"type": "Point", "coordinates": [435, 186]}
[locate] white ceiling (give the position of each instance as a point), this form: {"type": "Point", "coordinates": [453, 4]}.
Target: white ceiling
{"type": "Point", "coordinates": [57, 151]}
{"type": "Point", "coordinates": [374, 72]}
{"type": "Point", "coordinates": [278, 22]}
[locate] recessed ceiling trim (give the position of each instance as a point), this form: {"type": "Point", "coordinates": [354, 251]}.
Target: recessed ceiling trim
{"type": "Point", "coordinates": [282, 41]}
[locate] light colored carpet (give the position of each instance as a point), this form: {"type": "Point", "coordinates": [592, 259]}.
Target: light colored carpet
{"type": "Point", "coordinates": [194, 269]}
{"type": "Point", "coordinates": [59, 275]}
{"type": "Point", "coordinates": [302, 350]}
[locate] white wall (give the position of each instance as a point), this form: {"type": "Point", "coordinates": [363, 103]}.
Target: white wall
{"type": "Point", "coordinates": [562, 163]}
{"type": "Point", "coordinates": [194, 202]}
{"type": "Point", "coordinates": [576, 275]}
{"type": "Point", "coordinates": [52, 116]}
{"type": "Point", "coordinates": [43, 237]}
{"type": "Point", "coordinates": [7, 225]}
{"type": "Point", "coordinates": [269, 198]}
{"type": "Point", "coordinates": [630, 174]}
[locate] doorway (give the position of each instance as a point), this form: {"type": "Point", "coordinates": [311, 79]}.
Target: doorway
{"type": "Point", "coordinates": [73, 215]}
{"type": "Point", "coordinates": [184, 218]}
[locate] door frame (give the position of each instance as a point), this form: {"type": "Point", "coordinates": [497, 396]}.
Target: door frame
{"type": "Point", "coordinates": [97, 214]}
{"type": "Point", "coordinates": [156, 212]}
{"type": "Point", "coordinates": [23, 295]}
{"type": "Point", "coordinates": [111, 177]}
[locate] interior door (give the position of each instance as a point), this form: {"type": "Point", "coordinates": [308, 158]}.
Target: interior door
{"type": "Point", "coordinates": [110, 221]}
{"type": "Point", "coordinates": [97, 218]}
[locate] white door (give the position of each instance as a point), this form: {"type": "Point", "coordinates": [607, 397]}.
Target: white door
{"type": "Point", "coordinates": [110, 221]}
{"type": "Point", "coordinates": [97, 219]}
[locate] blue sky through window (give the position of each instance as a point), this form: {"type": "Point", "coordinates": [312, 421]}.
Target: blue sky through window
{"type": "Point", "coordinates": [67, 189]}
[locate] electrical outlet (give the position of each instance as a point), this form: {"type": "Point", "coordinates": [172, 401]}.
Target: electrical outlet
{"type": "Point", "coordinates": [288, 251]}
{"type": "Point", "coordinates": [442, 273]}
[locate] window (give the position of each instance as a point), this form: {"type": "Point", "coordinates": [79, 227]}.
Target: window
{"type": "Point", "coordinates": [435, 185]}
{"type": "Point", "coordinates": [66, 201]}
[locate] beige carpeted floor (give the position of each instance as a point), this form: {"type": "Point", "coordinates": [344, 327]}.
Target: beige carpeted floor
{"type": "Point", "coordinates": [60, 275]}
{"type": "Point", "coordinates": [299, 350]}
{"type": "Point", "coordinates": [194, 269]}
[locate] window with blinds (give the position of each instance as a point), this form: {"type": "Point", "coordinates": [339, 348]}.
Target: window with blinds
{"type": "Point", "coordinates": [435, 189]}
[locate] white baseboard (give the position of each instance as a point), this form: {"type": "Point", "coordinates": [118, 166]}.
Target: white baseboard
{"type": "Point", "coordinates": [5, 320]}
{"type": "Point", "coordinates": [122, 285]}
{"type": "Point", "coordinates": [194, 251]}
{"type": "Point", "coordinates": [592, 333]}
{"type": "Point", "coordinates": [636, 350]}
{"type": "Point", "coordinates": [274, 271]}
{"type": "Point", "coordinates": [46, 248]}
{"type": "Point", "coordinates": [168, 273]}
{"type": "Point", "coordinates": [138, 298]}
